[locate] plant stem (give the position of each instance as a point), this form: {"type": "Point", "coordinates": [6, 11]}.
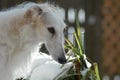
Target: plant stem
{"type": "Point", "coordinates": [77, 68]}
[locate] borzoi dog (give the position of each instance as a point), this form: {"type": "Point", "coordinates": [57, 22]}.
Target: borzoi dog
{"type": "Point", "coordinates": [22, 28]}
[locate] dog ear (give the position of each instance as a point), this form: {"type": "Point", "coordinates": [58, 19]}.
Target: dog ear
{"type": "Point", "coordinates": [34, 10]}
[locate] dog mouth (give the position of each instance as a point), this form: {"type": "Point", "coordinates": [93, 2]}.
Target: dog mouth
{"type": "Point", "coordinates": [61, 59]}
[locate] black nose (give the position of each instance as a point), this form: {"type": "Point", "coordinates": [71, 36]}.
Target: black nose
{"type": "Point", "coordinates": [62, 60]}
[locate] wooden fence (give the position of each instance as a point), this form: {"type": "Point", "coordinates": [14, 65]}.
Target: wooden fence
{"type": "Point", "coordinates": [111, 36]}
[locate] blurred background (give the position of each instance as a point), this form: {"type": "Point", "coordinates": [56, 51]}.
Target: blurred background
{"type": "Point", "coordinates": [101, 21]}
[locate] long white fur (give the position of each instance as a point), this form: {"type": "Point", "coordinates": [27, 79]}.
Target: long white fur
{"type": "Point", "coordinates": [45, 68]}
{"type": "Point", "coordinates": [19, 36]}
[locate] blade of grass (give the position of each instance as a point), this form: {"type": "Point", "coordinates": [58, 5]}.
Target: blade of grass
{"type": "Point", "coordinates": [96, 71]}
{"type": "Point", "coordinates": [71, 46]}
{"type": "Point", "coordinates": [74, 49]}
{"type": "Point", "coordinates": [79, 44]}
{"type": "Point", "coordinates": [78, 26]}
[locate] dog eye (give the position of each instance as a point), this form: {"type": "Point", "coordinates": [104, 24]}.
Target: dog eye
{"type": "Point", "coordinates": [51, 30]}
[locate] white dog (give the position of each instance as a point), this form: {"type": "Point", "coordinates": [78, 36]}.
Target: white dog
{"type": "Point", "coordinates": [22, 28]}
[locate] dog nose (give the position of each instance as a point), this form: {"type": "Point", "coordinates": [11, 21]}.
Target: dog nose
{"type": "Point", "coordinates": [62, 60]}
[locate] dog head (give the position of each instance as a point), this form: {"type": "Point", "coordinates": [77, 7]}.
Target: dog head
{"type": "Point", "coordinates": [49, 26]}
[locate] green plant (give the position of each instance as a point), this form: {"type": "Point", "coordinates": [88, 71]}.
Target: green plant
{"type": "Point", "coordinates": [80, 70]}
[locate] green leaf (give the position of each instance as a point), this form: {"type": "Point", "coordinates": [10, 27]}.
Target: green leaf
{"type": "Point", "coordinates": [79, 44]}
{"type": "Point", "coordinates": [97, 71]}
{"type": "Point", "coordinates": [71, 46]}
{"type": "Point", "coordinates": [78, 26]}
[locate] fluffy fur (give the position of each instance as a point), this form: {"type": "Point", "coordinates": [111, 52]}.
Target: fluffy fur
{"type": "Point", "coordinates": [21, 29]}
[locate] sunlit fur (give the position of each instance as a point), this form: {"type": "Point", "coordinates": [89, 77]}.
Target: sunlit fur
{"type": "Point", "coordinates": [21, 29]}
